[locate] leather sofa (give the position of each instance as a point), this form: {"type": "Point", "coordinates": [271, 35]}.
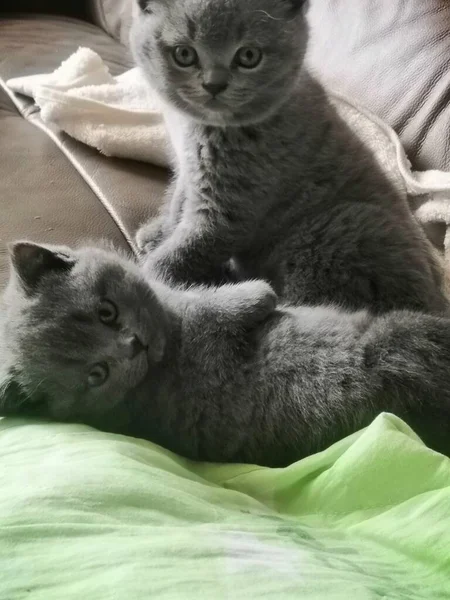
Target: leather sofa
{"type": "Point", "coordinates": [392, 56]}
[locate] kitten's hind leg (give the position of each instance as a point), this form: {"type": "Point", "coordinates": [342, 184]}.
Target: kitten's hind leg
{"type": "Point", "coordinates": [407, 362]}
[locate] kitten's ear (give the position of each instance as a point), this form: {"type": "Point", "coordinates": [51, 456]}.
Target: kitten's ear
{"type": "Point", "coordinates": [10, 397]}
{"type": "Point", "coordinates": [144, 5]}
{"type": "Point", "coordinates": [15, 402]}
{"type": "Point", "coordinates": [31, 262]}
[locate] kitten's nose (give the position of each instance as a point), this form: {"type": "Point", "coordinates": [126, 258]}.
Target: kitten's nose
{"type": "Point", "coordinates": [214, 88]}
{"type": "Point", "coordinates": [134, 347]}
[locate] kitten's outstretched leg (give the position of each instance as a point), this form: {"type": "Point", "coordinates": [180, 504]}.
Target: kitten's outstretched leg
{"type": "Point", "coordinates": [243, 304]}
{"type": "Point", "coordinates": [151, 234]}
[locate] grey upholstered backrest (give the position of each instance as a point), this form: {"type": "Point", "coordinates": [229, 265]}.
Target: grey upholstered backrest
{"type": "Point", "coordinates": [392, 56]}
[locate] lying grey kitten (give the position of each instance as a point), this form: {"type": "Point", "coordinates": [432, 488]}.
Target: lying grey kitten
{"type": "Point", "coordinates": [265, 170]}
{"type": "Point", "coordinates": [215, 374]}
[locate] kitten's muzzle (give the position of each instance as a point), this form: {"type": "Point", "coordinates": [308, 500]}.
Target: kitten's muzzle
{"type": "Point", "coordinates": [215, 81]}
{"type": "Point", "coordinates": [215, 88]}
{"type": "Point", "coordinates": [134, 346]}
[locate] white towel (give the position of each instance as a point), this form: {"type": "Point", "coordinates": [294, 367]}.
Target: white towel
{"type": "Point", "coordinates": [120, 116]}
{"type": "Point", "coordinates": [117, 115]}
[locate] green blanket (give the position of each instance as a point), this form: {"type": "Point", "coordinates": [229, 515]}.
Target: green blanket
{"type": "Point", "coordinates": [90, 516]}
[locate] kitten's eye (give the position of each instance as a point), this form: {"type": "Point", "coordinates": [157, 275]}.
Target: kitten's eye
{"type": "Point", "coordinates": [98, 375]}
{"type": "Point", "coordinates": [184, 56]}
{"type": "Point", "coordinates": [107, 312]}
{"type": "Point", "coordinates": [249, 58]}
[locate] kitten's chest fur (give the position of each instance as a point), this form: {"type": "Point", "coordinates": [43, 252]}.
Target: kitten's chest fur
{"type": "Point", "coordinates": [300, 159]}
{"type": "Point", "coordinates": [304, 204]}
{"type": "Point", "coordinates": [269, 177]}
{"type": "Point", "coordinates": [229, 164]}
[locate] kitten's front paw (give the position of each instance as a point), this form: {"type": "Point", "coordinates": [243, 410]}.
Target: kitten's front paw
{"type": "Point", "coordinates": [259, 298]}
{"type": "Point", "coordinates": [150, 235]}
{"type": "Point", "coordinates": [157, 267]}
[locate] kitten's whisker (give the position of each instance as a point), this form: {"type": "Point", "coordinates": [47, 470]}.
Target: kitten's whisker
{"type": "Point", "coordinates": [29, 396]}
{"type": "Point", "coordinates": [268, 15]}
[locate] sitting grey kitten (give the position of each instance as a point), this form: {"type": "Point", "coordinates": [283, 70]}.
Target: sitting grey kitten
{"type": "Point", "coordinates": [266, 172]}
{"type": "Point", "coordinates": [216, 374]}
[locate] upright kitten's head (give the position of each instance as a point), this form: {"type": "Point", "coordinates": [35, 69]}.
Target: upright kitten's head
{"type": "Point", "coordinates": [223, 62]}
{"type": "Point", "coordinates": [79, 330]}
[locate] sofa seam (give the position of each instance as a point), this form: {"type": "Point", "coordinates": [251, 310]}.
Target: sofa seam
{"type": "Point", "coordinates": [87, 179]}
{"type": "Point", "coordinates": [37, 122]}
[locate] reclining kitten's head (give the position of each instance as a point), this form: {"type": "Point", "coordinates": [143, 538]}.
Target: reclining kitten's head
{"type": "Point", "coordinates": [78, 329]}
{"type": "Point", "coordinates": [224, 62]}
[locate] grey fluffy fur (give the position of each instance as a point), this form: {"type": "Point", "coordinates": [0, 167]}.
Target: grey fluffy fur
{"type": "Point", "coordinates": [225, 374]}
{"type": "Point", "coordinates": [266, 173]}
